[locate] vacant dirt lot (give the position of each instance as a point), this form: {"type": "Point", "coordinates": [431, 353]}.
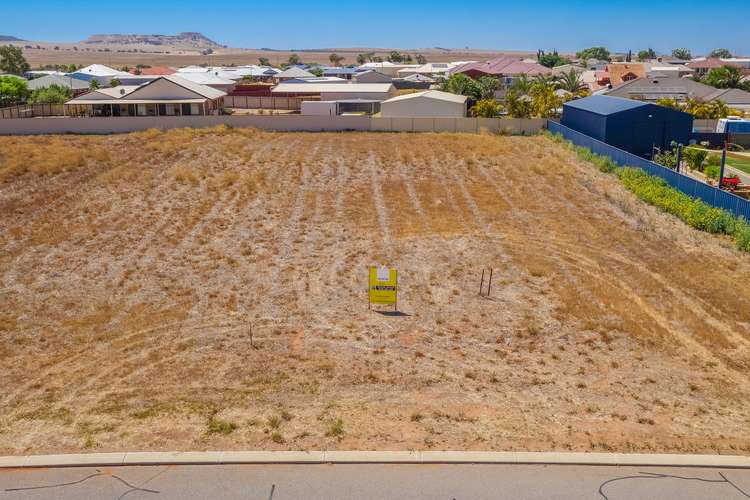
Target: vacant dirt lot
{"type": "Point", "coordinates": [206, 290]}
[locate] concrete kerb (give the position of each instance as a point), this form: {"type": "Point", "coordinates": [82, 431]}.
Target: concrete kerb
{"type": "Point", "coordinates": [373, 457]}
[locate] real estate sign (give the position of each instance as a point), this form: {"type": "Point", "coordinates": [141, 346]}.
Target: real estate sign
{"type": "Point", "coordinates": [382, 285]}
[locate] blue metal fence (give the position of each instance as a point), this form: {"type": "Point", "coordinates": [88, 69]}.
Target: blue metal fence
{"type": "Point", "coordinates": [691, 187]}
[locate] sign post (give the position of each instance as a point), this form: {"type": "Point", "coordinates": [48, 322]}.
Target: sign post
{"type": "Point", "coordinates": [382, 287]}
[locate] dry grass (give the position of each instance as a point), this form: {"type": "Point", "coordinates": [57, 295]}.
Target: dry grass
{"type": "Point", "coordinates": [205, 289]}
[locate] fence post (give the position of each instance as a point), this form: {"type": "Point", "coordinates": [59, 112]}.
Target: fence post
{"type": "Point", "coordinates": [723, 162]}
{"type": "Point", "coordinates": [679, 156]}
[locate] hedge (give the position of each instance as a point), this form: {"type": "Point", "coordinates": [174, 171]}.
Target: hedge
{"type": "Point", "coordinates": [657, 192]}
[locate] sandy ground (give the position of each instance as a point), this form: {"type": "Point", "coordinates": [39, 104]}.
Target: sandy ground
{"type": "Point", "coordinates": [121, 55]}
{"type": "Point", "coordinates": [206, 290]}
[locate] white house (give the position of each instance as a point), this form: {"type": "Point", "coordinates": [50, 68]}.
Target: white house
{"type": "Point", "coordinates": [102, 74]}
{"type": "Point", "coordinates": [430, 103]}
{"type": "Point", "coordinates": [164, 96]}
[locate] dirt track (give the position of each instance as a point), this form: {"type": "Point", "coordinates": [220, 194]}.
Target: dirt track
{"type": "Point", "coordinates": [134, 282]}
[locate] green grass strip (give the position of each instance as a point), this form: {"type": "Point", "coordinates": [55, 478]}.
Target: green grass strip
{"type": "Point", "coordinates": [657, 192]}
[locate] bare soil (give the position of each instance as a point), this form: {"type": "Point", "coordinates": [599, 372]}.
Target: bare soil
{"type": "Point", "coordinates": [206, 290]}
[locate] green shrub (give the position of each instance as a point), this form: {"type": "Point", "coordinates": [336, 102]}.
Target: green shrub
{"type": "Point", "coordinates": [695, 157]}
{"type": "Point", "coordinates": [712, 172]}
{"type": "Point", "coordinates": [713, 160]}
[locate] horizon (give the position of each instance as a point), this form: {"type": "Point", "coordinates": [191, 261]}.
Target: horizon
{"type": "Point", "coordinates": [326, 25]}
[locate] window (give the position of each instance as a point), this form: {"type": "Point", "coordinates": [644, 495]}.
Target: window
{"type": "Point", "coordinates": [186, 109]}
{"type": "Point", "coordinates": [195, 109]}
{"type": "Point", "coordinates": [141, 109]}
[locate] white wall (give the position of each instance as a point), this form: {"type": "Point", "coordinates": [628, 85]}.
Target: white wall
{"type": "Point", "coordinates": [351, 94]}
{"type": "Point", "coordinates": [423, 107]}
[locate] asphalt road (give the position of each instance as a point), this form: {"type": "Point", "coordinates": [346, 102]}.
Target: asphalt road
{"type": "Point", "coordinates": [339, 482]}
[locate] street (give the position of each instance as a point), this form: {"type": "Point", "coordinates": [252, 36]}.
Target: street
{"type": "Point", "coordinates": [375, 481]}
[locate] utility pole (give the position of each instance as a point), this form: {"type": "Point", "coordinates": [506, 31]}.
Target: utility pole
{"type": "Point", "coordinates": [723, 162]}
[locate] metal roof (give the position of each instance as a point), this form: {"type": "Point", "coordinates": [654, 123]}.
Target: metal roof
{"type": "Point", "coordinates": [293, 72]}
{"type": "Point", "coordinates": [100, 70]}
{"type": "Point", "coordinates": [61, 80]}
{"type": "Point", "coordinates": [314, 88]}
{"type": "Point", "coordinates": [604, 105]}
{"type": "Point", "coordinates": [429, 94]}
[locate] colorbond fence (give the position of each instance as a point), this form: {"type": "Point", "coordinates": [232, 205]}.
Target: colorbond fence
{"type": "Point", "coordinates": [110, 125]}
{"type": "Point", "coordinates": [692, 187]}
{"type": "Point", "coordinates": [32, 110]}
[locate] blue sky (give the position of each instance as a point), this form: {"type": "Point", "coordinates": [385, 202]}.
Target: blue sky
{"type": "Point", "coordinates": [566, 26]}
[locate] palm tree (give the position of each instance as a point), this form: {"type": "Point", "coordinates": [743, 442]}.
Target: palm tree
{"type": "Point", "coordinates": [570, 81]}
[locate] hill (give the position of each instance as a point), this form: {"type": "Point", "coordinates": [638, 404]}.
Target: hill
{"type": "Point", "coordinates": [185, 40]}
{"type": "Point", "coordinates": [206, 289]}
{"type": "Point", "coordinates": [6, 38]}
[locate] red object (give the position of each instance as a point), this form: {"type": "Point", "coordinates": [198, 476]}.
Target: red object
{"type": "Point", "coordinates": [730, 182]}
{"type": "Point", "coordinates": [154, 71]}
{"type": "Point", "coordinates": [252, 89]}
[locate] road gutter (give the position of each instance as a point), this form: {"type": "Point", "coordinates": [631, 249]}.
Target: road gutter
{"type": "Point", "coordinates": [373, 457]}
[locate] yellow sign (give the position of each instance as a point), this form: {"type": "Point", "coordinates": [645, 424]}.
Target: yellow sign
{"type": "Point", "coordinates": [382, 286]}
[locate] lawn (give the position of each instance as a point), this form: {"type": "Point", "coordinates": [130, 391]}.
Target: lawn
{"type": "Point", "coordinates": [206, 290]}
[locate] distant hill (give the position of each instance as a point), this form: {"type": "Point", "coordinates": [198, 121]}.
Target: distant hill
{"type": "Point", "coordinates": [186, 39]}
{"type": "Point", "coordinates": [5, 38]}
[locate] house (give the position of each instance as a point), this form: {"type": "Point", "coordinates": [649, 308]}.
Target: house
{"type": "Point", "coordinates": [102, 74]}
{"type": "Point", "coordinates": [153, 71]}
{"type": "Point", "coordinates": [624, 72]}
{"type": "Point", "coordinates": [428, 69]}
{"type": "Point", "coordinates": [372, 76]}
{"type": "Point", "coordinates": [345, 73]}
{"type": "Point", "coordinates": [292, 72]}
{"type": "Point", "coordinates": [318, 79]}
{"type": "Point", "coordinates": [76, 86]}
{"type": "Point", "coordinates": [702, 66]}
{"type": "Point", "coordinates": [507, 68]}
{"type": "Point", "coordinates": [430, 103]}
{"type": "Point", "coordinates": [734, 98]}
{"type": "Point", "coordinates": [164, 96]}
{"type": "Point", "coordinates": [652, 88]}
{"type": "Point", "coordinates": [336, 91]}
{"type": "Point", "coordinates": [664, 69]}
{"type": "Point", "coordinates": [386, 67]}
{"type": "Point", "coordinates": [213, 78]}
{"type": "Point", "coordinates": [414, 82]}
{"type": "Point", "coordinates": [630, 125]}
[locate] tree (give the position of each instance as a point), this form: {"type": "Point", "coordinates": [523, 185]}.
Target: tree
{"type": "Point", "coordinates": [361, 59]}
{"type": "Point", "coordinates": [726, 77]}
{"type": "Point", "coordinates": [93, 84]}
{"type": "Point", "coordinates": [720, 53]}
{"type": "Point", "coordinates": [600, 53]}
{"type": "Point", "coordinates": [115, 82]}
{"type": "Point", "coordinates": [264, 61]}
{"type": "Point", "coordinates": [12, 60]}
{"type": "Point", "coordinates": [335, 59]}
{"type": "Point", "coordinates": [293, 59]}
{"type": "Point", "coordinates": [420, 59]}
{"type": "Point", "coordinates": [545, 103]}
{"type": "Point", "coordinates": [13, 90]}
{"type": "Point", "coordinates": [461, 84]}
{"type": "Point", "coordinates": [682, 54]}
{"type": "Point", "coordinates": [486, 108]}
{"type": "Point", "coordinates": [377, 59]}
{"type": "Point", "coordinates": [395, 56]}
{"type": "Point", "coordinates": [646, 55]}
{"type": "Point", "coordinates": [486, 86]}
{"type": "Point", "coordinates": [518, 104]}
{"type": "Point", "coordinates": [316, 71]}
{"type": "Point", "coordinates": [551, 60]}
{"type": "Point", "coordinates": [571, 81]}
{"type": "Point", "coordinates": [54, 94]}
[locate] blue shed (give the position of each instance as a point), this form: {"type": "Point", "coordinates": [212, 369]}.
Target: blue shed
{"type": "Point", "coordinates": [634, 126]}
